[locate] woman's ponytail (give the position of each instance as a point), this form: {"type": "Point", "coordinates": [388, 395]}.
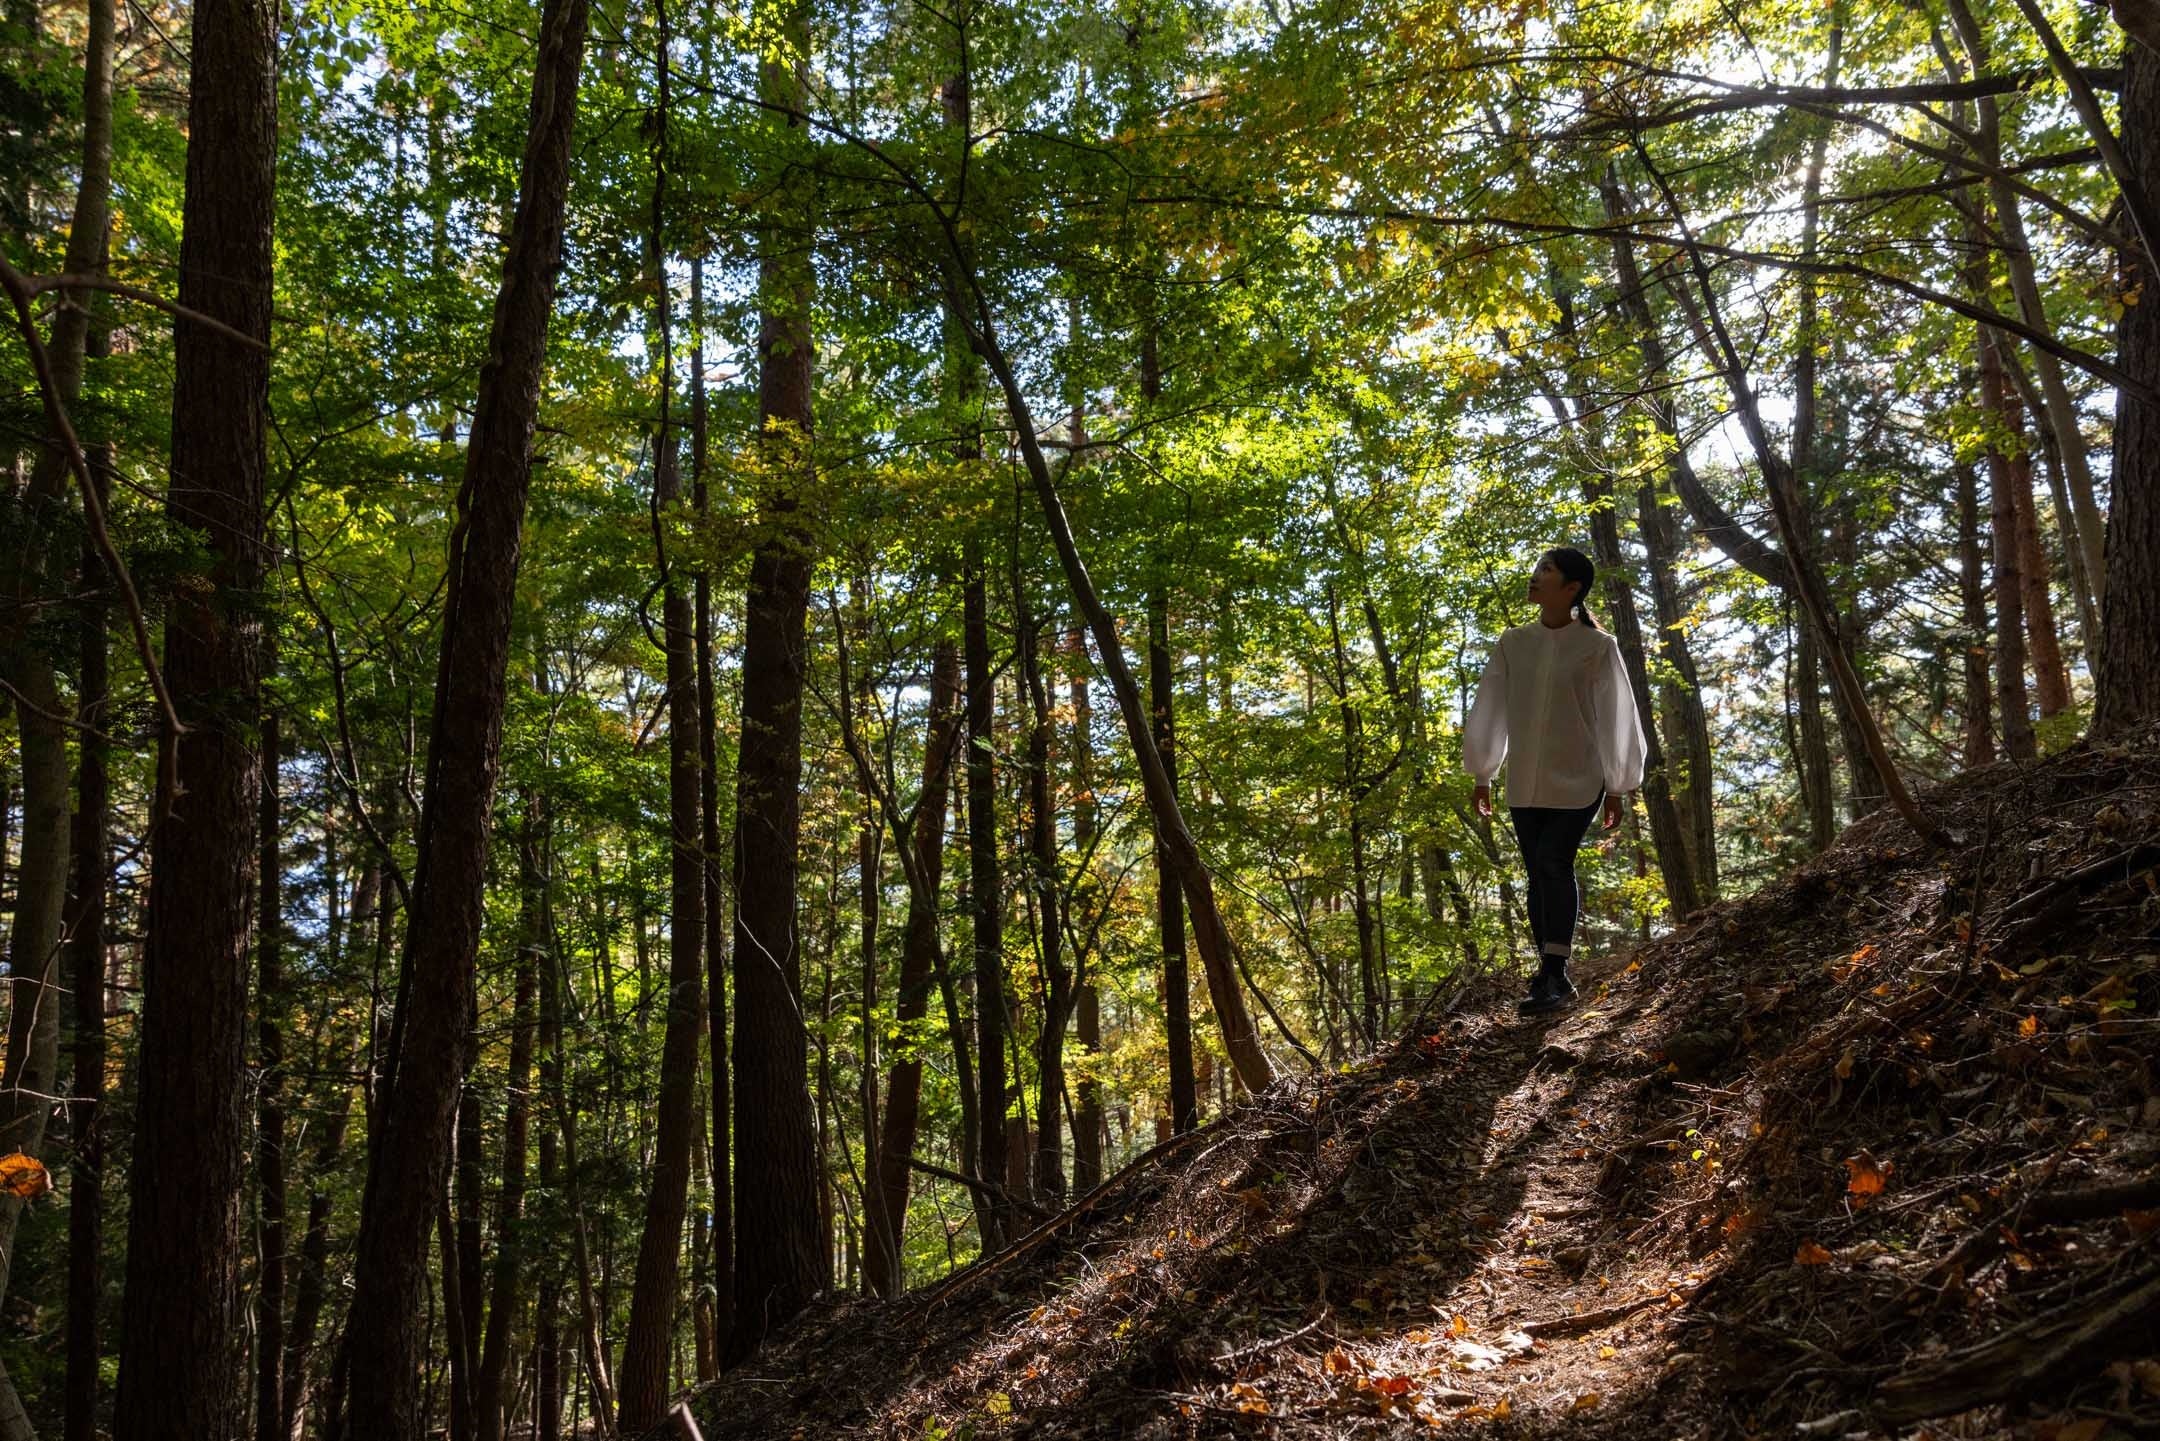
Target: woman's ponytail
{"type": "Point", "coordinates": [1574, 566]}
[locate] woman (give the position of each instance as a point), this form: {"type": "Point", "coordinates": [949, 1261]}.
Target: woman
{"type": "Point", "coordinates": [1555, 700]}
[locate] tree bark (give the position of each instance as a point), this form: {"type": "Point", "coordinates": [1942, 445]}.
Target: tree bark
{"type": "Point", "coordinates": [490, 1399]}
{"type": "Point", "coordinates": [270, 1002]}
{"type": "Point", "coordinates": [181, 1336]}
{"type": "Point", "coordinates": [1979, 728]}
{"type": "Point", "coordinates": [643, 1388]}
{"type": "Point", "coordinates": [716, 954]}
{"type": "Point", "coordinates": [86, 956]}
{"type": "Point", "coordinates": [1049, 1170]}
{"type": "Point", "coordinates": [1087, 1119]}
{"type": "Point", "coordinates": [1169, 891]}
{"type": "Point", "coordinates": [885, 1219]}
{"type": "Point", "coordinates": [2010, 692]}
{"type": "Point", "coordinates": [433, 1022]}
{"type": "Point", "coordinates": [1240, 1038]}
{"type": "Point", "coordinates": [2128, 690]}
{"type": "Point", "coordinates": [311, 1284]}
{"type": "Point", "coordinates": [780, 1258]}
{"type": "Point", "coordinates": [986, 898]}
{"type": "Point", "coordinates": [2060, 411]}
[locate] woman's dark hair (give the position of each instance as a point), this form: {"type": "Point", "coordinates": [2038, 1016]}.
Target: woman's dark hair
{"type": "Point", "coordinates": [1574, 566]}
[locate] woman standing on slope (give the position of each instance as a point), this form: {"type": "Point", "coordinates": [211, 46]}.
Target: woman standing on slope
{"type": "Point", "coordinates": [1556, 702]}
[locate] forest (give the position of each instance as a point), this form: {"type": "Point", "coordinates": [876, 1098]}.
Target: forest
{"type": "Point", "coordinates": [670, 661]}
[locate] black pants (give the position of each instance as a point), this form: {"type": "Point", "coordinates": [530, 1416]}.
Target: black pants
{"type": "Point", "coordinates": [1549, 836]}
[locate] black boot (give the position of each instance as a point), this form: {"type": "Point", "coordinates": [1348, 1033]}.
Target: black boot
{"type": "Point", "coordinates": [1550, 989]}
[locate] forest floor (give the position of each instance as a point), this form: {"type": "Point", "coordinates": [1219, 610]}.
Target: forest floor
{"type": "Point", "coordinates": [1835, 1159]}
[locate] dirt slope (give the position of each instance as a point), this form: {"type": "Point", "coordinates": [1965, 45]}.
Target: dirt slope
{"type": "Point", "coordinates": [1781, 1173]}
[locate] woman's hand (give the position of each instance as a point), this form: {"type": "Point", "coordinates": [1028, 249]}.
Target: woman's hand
{"type": "Point", "coordinates": [1481, 800]}
{"type": "Point", "coordinates": [1615, 811]}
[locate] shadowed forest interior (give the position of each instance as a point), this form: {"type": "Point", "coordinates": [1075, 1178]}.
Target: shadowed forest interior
{"type": "Point", "coordinates": [670, 659]}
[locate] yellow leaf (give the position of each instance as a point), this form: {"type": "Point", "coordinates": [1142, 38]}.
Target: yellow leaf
{"type": "Point", "coordinates": [1503, 1409]}
{"type": "Point", "coordinates": [2029, 1027]}
{"type": "Point", "coordinates": [1460, 1326]}
{"type": "Point", "coordinates": [1811, 1254]}
{"type": "Point", "coordinates": [1585, 1402]}
{"type": "Point", "coordinates": [24, 1176]}
{"type": "Point", "coordinates": [1606, 1353]}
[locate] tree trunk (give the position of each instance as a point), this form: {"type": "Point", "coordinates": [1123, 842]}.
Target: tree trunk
{"type": "Point", "coordinates": [2084, 531]}
{"type": "Point", "coordinates": [1049, 926]}
{"type": "Point", "coordinates": [490, 1398]}
{"type": "Point", "coordinates": [986, 899]}
{"type": "Point", "coordinates": [181, 1330]}
{"type": "Point", "coordinates": [885, 1210]}
{"type": "Point", "coordinates": [1169, 895]}
{"type": "Point", "coordinates": [2128, 690]}
{"type": "Point", "coordinates": [2009, 588]}
{"type": "Point", "coordinates": [33, 1059]}
{"type": "Point", "coordinates": [780, 1259]}
{"type": "Point", "coordinates": [716, 956]}
{"type": "Point", "coordinates": [643, 1388]}
{"type": "Point", "coordinates": [2051, 678]}
{"type": "Point", "coordinates": [549, 1351]}
{"type": "Point", "coordinates": [1087, 1121]}
{"type": "Point", "coordinates": [311, 1285]}
{"type": "Point", "coordinates": [86, 973]}
{"type": "Point", "coordinates": [1979, 729]}
{"type": "Point", "coordinates": [1668, 830]}
{"type": "Point", "coordinates": [1696, 797]}
{"type": "Point", "coordinates": [434, 1018]}
{"type": "Point", "coordinates": [270, 1002]}
{"type": "Point", "coordinates": [1240, 1038]}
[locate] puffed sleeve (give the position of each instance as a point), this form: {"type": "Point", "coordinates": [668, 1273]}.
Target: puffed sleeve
{"type": "Point", "coordinates": [1619, 727]}
{"type": "Point", "coordinates": [1484, 740]}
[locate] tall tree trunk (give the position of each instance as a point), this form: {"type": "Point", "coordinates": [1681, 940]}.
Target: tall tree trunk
{"type": "Point", "coordinates": [716, 954]}
{"type": "Point", "coordinates": [1696, 798]}
{"type": "Point", "coordinates": [434, 1018]}
{"type": "Point", "coordinates": [549, 1351]}
{"type": "Point", "coordinates": [1169, 890]}
{"type": "Point", "coordinates": [2128, 690]}
{"type": "Point", "coordinates": [462, 1423]}
{"type": "Point", "coordinates": [1087, 1121]}
{"type": "Point", "coordinates": [1240, 1038]}
{"type": "Point", "coordinates": [33, 1058]}
{"type": "Point", "coordinates": [780, 1259]}
{"type": "Point", "coordinates": [643, 1380]}
{"type": "Point", "coordinates": [310, 1286]}
{"type": "Point", "coordinates": [2051, 678]}
{"type": "Point", "coordinates": [885, 1208]}
{"type": "Point", "coordinates": [270, 1095]}
{"type": "Point", "coordinates": [490, 1397]}
{"type": "Point", "coordinates": [2084, 528]}
{"type": "Point", "coordinates": [1668, 830]}
{"type": "Point", "coordinates": [181, 1329]}
{"type": "Point", "coordinates": [2010, 692]}
{"type": "Point", "coordinates": [986, 897]}
{"type": "Point", "coordinates": [1049, 924]}
{"type": "Point", "coordinates": [1979, 728]}
{"type": "Point", "coordinates": [86, 973]}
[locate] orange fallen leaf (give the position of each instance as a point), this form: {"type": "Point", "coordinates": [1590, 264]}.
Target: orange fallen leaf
{"type": "Point", "coordinates": [2029, 1027]}
{"type": "Point", "coordinates": [1585, 1402]}
{"type": "Point", "coordinates": [24, 1176]}
{"type": "Point", "coordinates": [1460, 1326]}
{"type": "Point", "coordinates": [1865, 1177]}
{"type": "Point", "coordinates": [1811, 1254]}
{"type": "Point", "coordinates": [1336, 1362]}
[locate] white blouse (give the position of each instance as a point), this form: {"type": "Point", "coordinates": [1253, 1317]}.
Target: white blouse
{"type": "Point", "coordinates": [1557, 703]}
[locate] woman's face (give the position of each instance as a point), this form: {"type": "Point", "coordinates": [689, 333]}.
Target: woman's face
{"type": "Point", "coordinates": [1548, 586]}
